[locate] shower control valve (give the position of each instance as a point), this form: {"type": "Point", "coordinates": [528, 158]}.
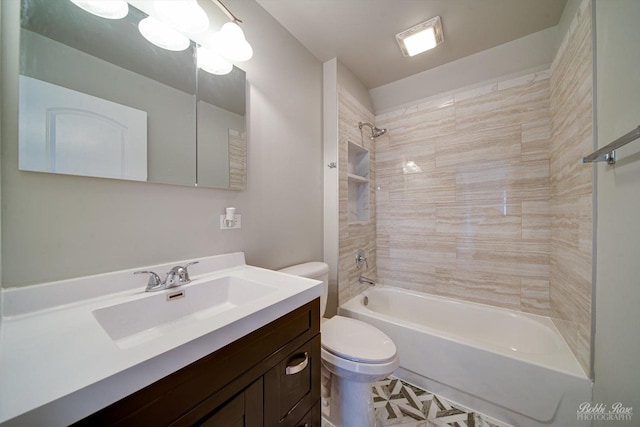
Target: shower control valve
{"type": "Point", "coordinates": [361, 259]}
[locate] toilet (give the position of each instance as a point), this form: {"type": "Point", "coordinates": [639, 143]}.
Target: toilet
{"type": "Point", "coordinates": [354, 354]}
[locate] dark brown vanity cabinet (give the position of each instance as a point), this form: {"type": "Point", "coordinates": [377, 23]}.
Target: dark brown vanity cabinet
{"type": "Point", "coordinates": [270, 377]}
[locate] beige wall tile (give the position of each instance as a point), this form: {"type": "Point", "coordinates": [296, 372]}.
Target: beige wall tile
{"type": "Point", "coordinates": [479, 148]}
{"type": "Point", "coordinates": [515, 182]}
{"type": "Point", "coordinates": [535, 140]}
{"type": "Point", "coordinates": [237, 162]}
{"type": "Point", "coordinates": [486, 288]}
{"type": "Point", "coordinates": [509, 257]}
{"type": "Point", "coordinates": [419, 278]}
{"type": "Point", "coordinates": [412, 127]}
{"type": "Point", "coordinates": [503, 108]}
{"type": "Point", "coordinates": [406, 218]}
{"type": "Point", "coordinates": [534, 294]}
{"type": "Point", "coordinates": [571, 185]}
{"type": "Point", "coordinates": [536, 220]}
{"type": "Point", "coordinates": [463, 219]}
{"type": "Point", "coordinates": [476, 92]}
{"type": "Point", "coordinates": [474, 223]}
{"type": "Point", "coordinates": [354, 236]}
{"type": "Point", "coordinates": [523, 80]}
{"type": "Point", "coordinates": [432, 186]}
{"type": "Point", "coordinates": [436, 251]}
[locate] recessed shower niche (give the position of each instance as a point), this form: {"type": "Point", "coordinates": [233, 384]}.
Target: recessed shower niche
{"type": "Point", "coordinates": [358, 179]}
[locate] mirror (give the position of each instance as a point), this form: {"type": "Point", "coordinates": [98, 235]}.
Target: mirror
{"type": "Point", "coordinates": [97, 99]}
{"type": "Point", "coordinates": [222, 147]}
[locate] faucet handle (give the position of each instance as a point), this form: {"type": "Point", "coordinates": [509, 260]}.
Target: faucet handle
{"type": "Point", "coordinates": [361, 259]}
{"type": "Point", "coordinates": [181, 273]}
{"type": "Point", "coordinates": [186, 270]}
{"type": "Point", "coordinates": [154, 283]}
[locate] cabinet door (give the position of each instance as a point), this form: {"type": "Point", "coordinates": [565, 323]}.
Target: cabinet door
{"type": "Point", "coordinates": [244, 410]}
{"type": "Point", "coordinates": [312, 418]}
{"type": "Point", "coordinates": [293, 386]}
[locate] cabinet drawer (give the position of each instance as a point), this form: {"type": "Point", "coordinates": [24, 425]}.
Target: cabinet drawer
{"type": "Point", "coordinates": [292, 386]}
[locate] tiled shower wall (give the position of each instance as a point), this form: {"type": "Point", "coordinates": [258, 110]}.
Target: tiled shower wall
{"type": "Point", "coordinates": [463, 195]}
{"type": "Point", "coordinates": [481, 194]}
{"type": "Point", "coordinates": [237, 160]}
{"type": "Point", "coordinates": [354, 235]}
{"type": "Point", "coordinates": [572, 186]}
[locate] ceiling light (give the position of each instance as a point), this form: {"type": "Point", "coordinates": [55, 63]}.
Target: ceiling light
{"type": "Point", "coordinates": [162, 35]}
{"type": "Point", "coordinates": [230, 43]}
{"type": "Point", "coordinates": [213, 63]}
{"type": "Point", "coordinates": [114, 9]}
{"type": "Point", "coordinates": [421, 37]}
{"type": "Point", "coordinates": [183, 15]}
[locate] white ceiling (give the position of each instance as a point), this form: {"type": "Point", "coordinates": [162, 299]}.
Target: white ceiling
{"type": "Point", "coordinates": [361, 33]}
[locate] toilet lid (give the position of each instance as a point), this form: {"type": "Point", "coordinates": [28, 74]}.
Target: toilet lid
{"type": "Point", "coordinates": [356, 340]}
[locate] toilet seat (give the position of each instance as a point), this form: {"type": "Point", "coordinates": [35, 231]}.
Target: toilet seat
{"type": "Point", "coordinates": [357, 341]}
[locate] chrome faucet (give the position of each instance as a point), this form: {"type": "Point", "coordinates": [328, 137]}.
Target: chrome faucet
{"type": "Point", "coordinates": [366, 280]}
{"type": "Point", "coordinates": [177, 276]}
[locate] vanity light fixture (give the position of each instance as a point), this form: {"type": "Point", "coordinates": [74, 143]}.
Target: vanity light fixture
{"type": "Point", "coordinates": [230, 43]}
{"type": "Point", "coordinates": [213, 63]}
{"type": "Point", "coordinates": [421, 37]}
{"type": "Point", "coordinates": [162, 35]}
{"type": "Point", "coordinates": [174, 23]}
{"type": "Point", "coordinates": [183, 15]}
{"type": "Point", "coordinates": [114, 9]}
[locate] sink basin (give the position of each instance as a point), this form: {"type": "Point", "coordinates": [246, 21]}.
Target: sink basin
{"type": "Point", "coordinates": [133, 322]}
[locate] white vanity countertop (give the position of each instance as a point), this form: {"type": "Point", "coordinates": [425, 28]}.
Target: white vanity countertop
{"type": "Point", "coordinates": [58, 365]}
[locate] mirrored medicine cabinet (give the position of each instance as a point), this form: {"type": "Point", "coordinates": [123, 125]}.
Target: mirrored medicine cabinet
{"type": "Point", "coordinates": [97, 99]}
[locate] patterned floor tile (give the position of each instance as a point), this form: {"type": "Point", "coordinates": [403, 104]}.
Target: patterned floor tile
{"type": "Point", "coordinates": [400, 404]}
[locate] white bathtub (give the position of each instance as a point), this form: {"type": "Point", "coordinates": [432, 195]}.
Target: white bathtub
{"type": "Point", "coordinates": [509, 365]}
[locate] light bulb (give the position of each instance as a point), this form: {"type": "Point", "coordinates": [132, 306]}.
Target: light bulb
{"type": "Point", "coordinates": [183, 15]}
{"type": "Point", "coordinates": [232, 31]}
{"type": "Point", "coordinates": [114, 9]}
{"type": "Point", "coordinates": [421, 41]}
{"type": "Point", "coordinates": [239, 51]}
{"type": "Point", "coordinates": [213, 63]}
{"type": "Point", "coordinates": [230, 43]}
{"type": "Point", "coordinates": [162, 35]}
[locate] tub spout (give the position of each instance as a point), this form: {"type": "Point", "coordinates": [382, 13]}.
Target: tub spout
{"type": "Point", "coordinates": [363, 279]}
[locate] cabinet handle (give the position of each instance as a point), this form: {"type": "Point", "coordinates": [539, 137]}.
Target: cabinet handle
{"type": "Point", "coordinates": [294, 369]}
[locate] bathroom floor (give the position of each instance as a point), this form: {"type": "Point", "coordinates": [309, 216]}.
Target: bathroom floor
{"type": "Point", "coordinates": [400, 404]}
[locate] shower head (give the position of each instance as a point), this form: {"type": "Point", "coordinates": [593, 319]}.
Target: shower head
{"type": "Point", "coordinates": [375, 132]}
{"type": "Point", "coordinates": [378, 132]}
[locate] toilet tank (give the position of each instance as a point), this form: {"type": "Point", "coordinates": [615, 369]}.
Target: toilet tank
{"type": "Point", "coordinates": [313, 270]}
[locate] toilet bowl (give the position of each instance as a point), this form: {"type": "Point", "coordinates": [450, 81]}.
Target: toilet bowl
{"type": "Point", "coordinates": [354, 354]}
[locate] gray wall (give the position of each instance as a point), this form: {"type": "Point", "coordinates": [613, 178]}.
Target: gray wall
{"type": "Point", "coordinates": [617, 309]}
{"type": "Point", "coordinates": [56, 226]}
{"type": "Point", "coordinates": [355, 87]}
{"type": "Point", "coordinates": [535, 51]}
{"type": "Point", "coordinates": [331, 187]}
